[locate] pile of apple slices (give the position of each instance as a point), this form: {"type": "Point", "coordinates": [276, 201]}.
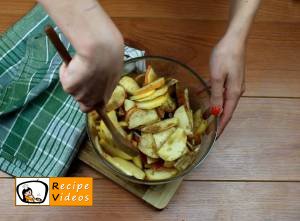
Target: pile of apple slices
{"type": "Point", "coordinates": [154, 114]}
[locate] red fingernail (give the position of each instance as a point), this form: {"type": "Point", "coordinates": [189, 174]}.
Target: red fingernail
{"type": "Point", "coordinates": [215, 110]}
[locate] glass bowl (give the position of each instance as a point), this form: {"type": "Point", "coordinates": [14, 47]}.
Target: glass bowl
{"type": "Point", "coordinates": [199, 95]}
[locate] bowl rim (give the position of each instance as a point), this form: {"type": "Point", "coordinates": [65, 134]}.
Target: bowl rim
{"type": "Point", "coordinates": [186, 171]}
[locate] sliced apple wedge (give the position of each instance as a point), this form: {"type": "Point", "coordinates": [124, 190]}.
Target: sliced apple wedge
{"type": "Point", "coordinates": [147, 145]}
{"type": "Point", "coordinates": [184, 120]}
{"type": "Point", "coordinates": [150, 75]}
{"type": "Point", "coordinates": [98, 147]}
{"type": "Point", "coordinates": [127, 167]}
{"type": "Point", "coordinates": [186, 98]}
{"type": "Point", "coordinates": [113, 117]}
{"type": "Point", "coordinates": [174, 147]}
{"type": "Point", "coordinates": [123, 124]}
{"type": "Point", "coordinates": [169, 105]}
{"type": "Point", "coordinates": [151, 160]}
{"type": "Point", "coordinates": [160, 126]}
{"type": "Point", "coordinates": [160, 174]}
{"type": "Point", "coordinates": [152, 104]}
{"type": "Point", "coordinates": [169, 164]}
{"type": "Point", "coordinates": [142, 117]}
{"type": "Point", "coordinates": [151, 86]}
{"type": "Point", "coordinates": [197, 118]}
{"type": "Point", "coordinates": [161, 137]}
{"type": "Point", "coordinates": [138, 161]}
{"type": "Point", "coordinates": [142, 96]}
{"type": "Point", "coordinates": [158, 92]}
{"type": "Point", "coordinates": [117, 99]}
{"type": "Point", "coordinates": [188, 107]}
{"type": "Point", "coordinates": [199, 131]}
{"type": "Point", "coordinates": [129, 84]}
{"type": "Point", "coordinates": [184, 161]}
{"type": "Point", "coordinates": [171, 81]}
{"type": "Point", "coordinates": [112, 150]}
{"type": "Point", "coordinates": [129, 113]}
{"type": "Point", "coordinates": [103, 131]}
{"type": "Point", "coordinates": [128, 104]}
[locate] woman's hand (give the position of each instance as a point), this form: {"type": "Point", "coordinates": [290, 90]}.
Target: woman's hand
{"type": "Point", "coordinates": [227, 66]}
{"type": "Point", "coordinates": [94, 71]}
{"type": "Point", "coordinates": [92, 79]}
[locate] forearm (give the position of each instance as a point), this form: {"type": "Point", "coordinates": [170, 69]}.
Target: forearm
{"type": "Point", "coordinates": [242, 13]}
{"type": "Point", "coordinates": [85, 24]}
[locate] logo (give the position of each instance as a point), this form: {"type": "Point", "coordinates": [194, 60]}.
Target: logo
{"type": "Point", "coordinates": [56, 191]}
{"type": "Point", "coordinates": [31, 191]}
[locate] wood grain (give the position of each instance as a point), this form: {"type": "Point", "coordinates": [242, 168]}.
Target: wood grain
{"type": "Point", "coordinates": [12, 11]}
{"type": "Point", "coordinates": [261, 143]}
{"type": "Point", "coordinates": [271, 10]}
{"type": "Point", "coordinates": [228, 201]}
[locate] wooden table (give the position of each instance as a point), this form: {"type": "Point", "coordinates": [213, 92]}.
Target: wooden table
{"type": "Point", "coordinates": [253, 172]}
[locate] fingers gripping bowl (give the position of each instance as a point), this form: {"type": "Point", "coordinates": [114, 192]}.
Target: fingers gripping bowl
{"type": "Point", "coordinates": [161, 106]}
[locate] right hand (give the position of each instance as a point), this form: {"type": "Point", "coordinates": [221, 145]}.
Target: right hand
{"type": "Point", "coordinates": [91, 78]}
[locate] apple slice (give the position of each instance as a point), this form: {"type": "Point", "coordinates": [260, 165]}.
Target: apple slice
{"type": "Point", "coordinates": [183, 162]}
{"type": "Point", "coordinates": [112, 150]}
{"type": "Point", "coordinates": [169, 164]}
{"type": "Point", "coordinates": [150, 75]}
{"type": "Point", "coordinates": [174, 147]}
{"type": "Point", "coordinates": [151, 160]}
{"type": "Point", "coordinates": [113, 117]}
{"type": "Point", "coordinates": [184, 120]}
{"type": "Point", "coordinates": [157, 93]}
{"type": "Point", "coordinates": [160, 126]}
{"type": "Point", "coordinates": [142, 117]}
{"type": "Point", "coordinates": [103, 131]}
{"type": "Point", "coordinates": [123, 124]}
{"type": "Point", "coordinates": [186, 98]}
{"type": "Point", "coordinates": [199, 131]}
{"type": "Point", "coordinates": [129, 84]}
{"type": "Point", "coordinates": [148, 105]}
{"type": "Point", "coordinates": [117, 99]}
{"type": "Point", "coordinates": [169, 105]}
{"type": "Point", "coordinates": [160, 174]}
{"type": "Point", "coordinates": [151, 86]}
{"type": "Point", "coordinates": [147, 145]}
{"type": "Point", "coordinates": [188, 106]}
{"type": "Point", "coordinates": [99, 148]}
{"type": "Point", "coordinates": [197, 118]}
{"type": "Point", "coordinates": [171, 81]}
{"type": "Point", "coordinates": [128, 104]}
{"type": "Point", "coordinates": [161, 137]}
{"type": "Point", "coordinates": [143, 95]}
{"type": "Point", "coordinates": [127, 167]}
{"type": "Point", "coordinates": [138, 161]}
{"type": "Point", "coordinates": [129, 113]}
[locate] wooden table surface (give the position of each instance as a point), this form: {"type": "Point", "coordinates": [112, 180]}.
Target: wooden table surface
{"type": "Point", "coordinates": [253, 172]}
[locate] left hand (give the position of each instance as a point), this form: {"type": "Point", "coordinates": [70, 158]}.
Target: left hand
{"type": "Point", "coordinates": [227, 66]}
